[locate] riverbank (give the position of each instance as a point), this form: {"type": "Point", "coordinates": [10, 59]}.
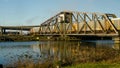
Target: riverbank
{"type": "Point", "coordinates": [80, 57]}
{"type": "Point", "coordinates": [81, 65]}
{"type": "Point", "coordinates": [94, 65]}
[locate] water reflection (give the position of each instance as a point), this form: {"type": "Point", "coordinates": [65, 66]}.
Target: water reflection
{"type": "Point", "coordinates": [59, 50]}
{"type": "Point", "coordinates": [54, 50]}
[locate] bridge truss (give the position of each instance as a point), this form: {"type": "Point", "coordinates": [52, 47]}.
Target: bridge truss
{"type": "Point", "coordinates": [79, 23]}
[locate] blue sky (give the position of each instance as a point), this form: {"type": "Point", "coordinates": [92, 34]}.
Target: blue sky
{"type": "Point", "coordinates": [34, 12]}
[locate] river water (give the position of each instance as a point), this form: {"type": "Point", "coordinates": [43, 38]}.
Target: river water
{"type": "Point", "coordinates": [40, 50]}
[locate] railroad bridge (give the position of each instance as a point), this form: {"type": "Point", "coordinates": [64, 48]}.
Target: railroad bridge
{"type": "Point", "coordinates": [82, 25]}
{"type": "Point", "coordinates": [78, 25]}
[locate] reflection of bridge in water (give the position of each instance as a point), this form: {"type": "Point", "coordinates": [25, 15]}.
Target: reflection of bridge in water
{"type": "Point", "coordinates": [79, 25]}
{"type": "Point", "coordinates": [62, 50]}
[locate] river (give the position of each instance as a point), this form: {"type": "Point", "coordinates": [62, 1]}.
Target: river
{"type": "Point", "coordinates": [41, 50]}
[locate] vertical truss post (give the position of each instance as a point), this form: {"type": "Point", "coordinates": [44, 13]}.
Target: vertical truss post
{"type": "Point", "coordinates": [64, 24]}
{"type": "Point", "coordinates": [71, 24]}
{"type": "Point", "coordinates": [77, 23]}
{"type": "Point", "coordinates": [39, 31]}
{"type": "Point", "coordinates": [85, 26]}
{"type": "Point", "coordinates": [93, 15]}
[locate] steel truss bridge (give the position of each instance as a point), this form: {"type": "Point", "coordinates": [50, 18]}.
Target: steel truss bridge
{"type": "Point", "coordinates": [81, 24]}
{"type": "Point", "coordinates": [78, 24]}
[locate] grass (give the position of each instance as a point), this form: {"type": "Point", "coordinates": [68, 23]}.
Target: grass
{"type": "Point", "coordinates": [94, 65]}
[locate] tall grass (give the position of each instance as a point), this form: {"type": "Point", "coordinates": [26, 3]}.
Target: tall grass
{"type": "Point", "coordinates": [91, 65]}
{"type": "Point", "coordinates": [82, 57]}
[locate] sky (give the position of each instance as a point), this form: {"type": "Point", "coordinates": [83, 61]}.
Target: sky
{"type": "Point", "coordinates": [34, 12]}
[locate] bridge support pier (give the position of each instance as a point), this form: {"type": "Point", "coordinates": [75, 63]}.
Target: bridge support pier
{"type": "Point", "coordinates": [116, 40]}
{"type": "Point", "coordinates": [1, 31]}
